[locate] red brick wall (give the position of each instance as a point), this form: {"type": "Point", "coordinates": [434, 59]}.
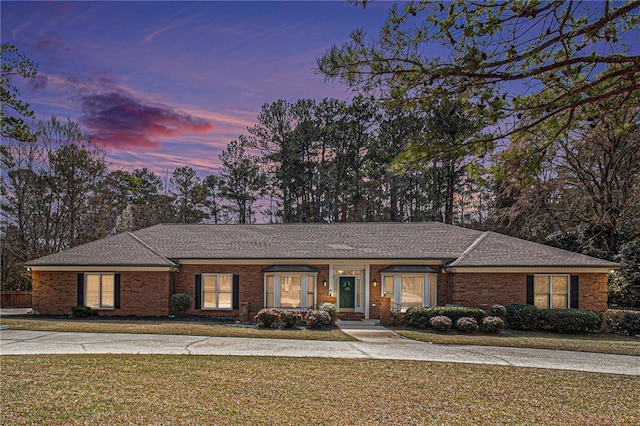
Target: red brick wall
{"type": "Point", "coordinates": [141, 293]}
{"type": "Point", "coordinates": [484, 289]}
{"type": "Point", "coordinates": [251, 285]}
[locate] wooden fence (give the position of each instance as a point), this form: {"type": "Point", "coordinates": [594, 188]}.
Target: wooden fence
{"type": "Point", "coordinates": [15, 299]}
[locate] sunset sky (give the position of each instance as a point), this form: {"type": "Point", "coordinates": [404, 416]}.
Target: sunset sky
{"type": "Point", "coordinates": [167, 84]}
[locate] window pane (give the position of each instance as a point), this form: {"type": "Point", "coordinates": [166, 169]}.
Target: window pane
{"type": "Point", "coordinates": [541, 285]}
{"type": "Point", "coordinates": [541, 302]}
{"type": "Point", "coordinates": [225, 283]}
{"type": "Point", "coordinates": [107, 291]}
{"type": "Point", "coordinates": [560, 287]}
{"type": "Point", "coordinates": [411, 292]}
{"type": "Point", "coordinates": [224, 300]}
{"type": "Point", "coordinates": [432, 288]}
{"type": "Point", "coordinates": [209, 291]}
{"type": "Point", "coordinates": [310, 291]}
{"type": "Point", "coordinates": [92, 290]}
{"type": "Point", "coordinates": [560, 284]}
{"type": "Point", "coordinates": [290, 291]}
{"type": "Point", "coordinates": [387, 286]}
{"type": "Point", "coordinates": [270, 295]}
{"type": "Point", "coordinates": [541, 291]}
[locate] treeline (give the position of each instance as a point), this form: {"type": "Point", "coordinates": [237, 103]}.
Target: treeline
{"type": "Point", "coordinates": [337, 161]}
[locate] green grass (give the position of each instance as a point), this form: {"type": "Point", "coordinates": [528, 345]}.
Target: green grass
{"type": "Point", "coordinates": [600, 343]}
{"type": "Point", "coordinates": [167, 326]}
{"type": "Point", "coordinates": [134, 389]}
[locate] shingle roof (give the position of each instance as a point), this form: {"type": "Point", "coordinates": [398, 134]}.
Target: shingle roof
{"type": "Point", "coordinates": [122, 250]}
{"type": "Point", "coordinates": [154, 246]}
{"type": "Point", "coordinates": [493, 249]}
{"type": "Point", "coordinates": [428, 240]}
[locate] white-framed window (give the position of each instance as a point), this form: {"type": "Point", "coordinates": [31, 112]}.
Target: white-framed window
{"type": "Point", "coordinates": [99, 290]}
{"type": "Point", "coordinates": [290, 290]}
{"type": "Point", "coordinates": [217, 291]}
{"type": "Point", "coordinates": [410, 290]}
{"type": "Point", "coordinates": [551, 291]}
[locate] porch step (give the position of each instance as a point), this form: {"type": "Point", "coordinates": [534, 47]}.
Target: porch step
{"type": "Point", "coordinates": [350, 316]}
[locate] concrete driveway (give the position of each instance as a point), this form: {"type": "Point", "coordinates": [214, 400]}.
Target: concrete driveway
{"type": "Point", "coordinates": [18, 342]}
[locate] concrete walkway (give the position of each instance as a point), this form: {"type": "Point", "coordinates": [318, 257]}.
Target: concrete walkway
{"type": "Point", "coordinates": [19, 342]}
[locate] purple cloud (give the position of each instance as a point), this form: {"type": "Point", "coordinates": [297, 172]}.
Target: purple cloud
{"type": "Point", "coordinates": [119, 120]}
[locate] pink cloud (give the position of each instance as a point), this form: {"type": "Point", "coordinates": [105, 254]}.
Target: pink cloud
{"type": "Point", "coordinates": [117, 119]}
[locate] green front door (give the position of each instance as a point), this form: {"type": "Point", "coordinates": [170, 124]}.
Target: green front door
{"type": "Point", "coordinates": [347, 292]}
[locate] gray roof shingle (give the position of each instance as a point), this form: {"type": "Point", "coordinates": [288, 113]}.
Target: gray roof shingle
{"type": "Point", "coordinates": [493, 249]}
{"type": "Point", "coordinates": [154, 246]}
{"type": "Point", "coordinates": [119, 250]}
{"type": "Point", "coordinates": [428, 240]}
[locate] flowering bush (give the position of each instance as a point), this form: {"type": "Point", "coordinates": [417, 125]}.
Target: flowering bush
{"type": "Point", "coordinates": [498, 311]}
{"type": "Point", "coordinates": [492, 324]}
{"type": "Point", "coordinates": [267, 317]}
{"type": "Point", "coordinates": [329, 308]}
{"type": "Point", "coordinates": [441, 323]}
{"type": "Point", "coordinates": [467, 324]}
{"type": "Point", "coordinates": [317, 318]}
{"type": "Point", "coordinates": [290, 318]}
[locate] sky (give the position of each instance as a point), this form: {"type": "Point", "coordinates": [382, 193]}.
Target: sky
{"type": "Point", "coordinates": [167, 84]}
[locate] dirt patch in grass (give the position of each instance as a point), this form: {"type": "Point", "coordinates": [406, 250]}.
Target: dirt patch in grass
{"type": "Point", "coordinates": [599, 343]}
{"type": "Point", "coordinates": [133, 389]}
{"type": "Point", "coordinates": [169, 326]}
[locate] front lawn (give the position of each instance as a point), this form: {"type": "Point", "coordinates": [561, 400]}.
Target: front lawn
{"type": "Point", "coordinates": [162, 389]}
{"type": "Point", "coordinates": [167, 326]}
{"type": "Point", "coordinates": [601, 343]}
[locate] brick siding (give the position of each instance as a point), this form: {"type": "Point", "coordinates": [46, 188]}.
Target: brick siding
{"type": "Point", "coordinates": [485, 289]}
{"type": "Point", "coordinates": [141, 293]}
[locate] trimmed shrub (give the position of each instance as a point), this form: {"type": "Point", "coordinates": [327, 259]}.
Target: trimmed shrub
{"type": "Point", "coordinates": [625, 323]}
{"type": "Point", "coordinates": [467, 324]}
{"type": "Point", "coordinates": [397, 318]}
{"type": "Point", "coordinates": [290, 318]}
{"type": "Point", "coordinates": [329, 308]}
{"type": "Point", "coordinates": [441, 323]}
{"type": "Point", "coordinates": [492, 324]}
{"type": "Point", "coordinates": [317, 318]}
{"type": "Point", "coordinates": [420, 317]}
{"type": "Point", "coordinates": [569, 320]}
{"type": "Point", "coordinates": [267, 317]}
{"type": "Point", "coordinates": [82, 311]}
{"type": "Point", "coordinates": [498, 311]}
{"type": "Point", "coordinates": [522, 317]}
{"type": "Point", "coordinates": [179, 303]}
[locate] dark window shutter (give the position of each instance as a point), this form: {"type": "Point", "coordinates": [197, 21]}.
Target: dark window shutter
{"type": "Point", "coordinates": [80, 289]}
{"type": "Point", "coordinates": [574, 292]}
{"type": "Point", "coordinates": [198, 295]}
{"type": "Point", "coordinates": [236, 292]}
{"type": "Point", "coordinates": [116, 291]}
{"type": "Point", "coordinates": [529, 289]}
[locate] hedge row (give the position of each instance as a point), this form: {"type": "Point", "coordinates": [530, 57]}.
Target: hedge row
{"type": "Point", "coordinates": [625, 323]}
{"type": "Point", "coordinates": [420, 317]}
{"type": "Point", "coordinates": [316, 318]}
{"type": "Point", "coordinates": [528, 317]}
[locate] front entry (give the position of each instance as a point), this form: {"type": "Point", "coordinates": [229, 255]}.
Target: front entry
{"type": "Point", "coordinates": [347, 294]}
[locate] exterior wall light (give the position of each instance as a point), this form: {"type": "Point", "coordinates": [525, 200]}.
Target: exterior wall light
{"type": "Point", "coordinates": [324, 283]}
{"type": "Point", "coordinates": [375, 282]}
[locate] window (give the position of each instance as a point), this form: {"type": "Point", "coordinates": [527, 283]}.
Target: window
{"type": "Point", "coordinates": [290, 290]}
{"type": "Point", "coordinates": [551, 291]}
{"type": "Point", "coordinates": [99, 291]}
{"type": "Point", "coordinates": [217, 291]}
{"type": "Point", "coordinates": [409, 291]}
